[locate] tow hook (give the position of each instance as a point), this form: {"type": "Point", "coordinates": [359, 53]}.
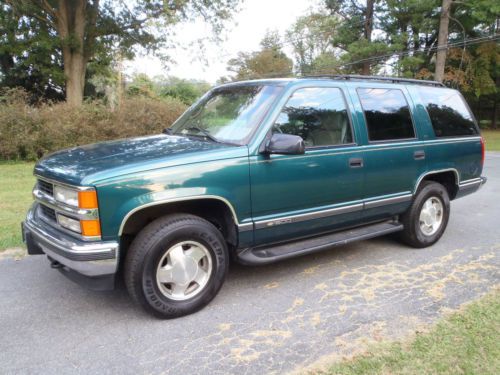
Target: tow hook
{"type": "Point", "coordinates": [54, 263]}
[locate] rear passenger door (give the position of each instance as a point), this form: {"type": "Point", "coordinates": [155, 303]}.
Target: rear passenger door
{"type": "Point", "coordinates": [393, 154]}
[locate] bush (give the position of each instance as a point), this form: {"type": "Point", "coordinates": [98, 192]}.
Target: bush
{"type": "Point", "coordinates": [28, 132]}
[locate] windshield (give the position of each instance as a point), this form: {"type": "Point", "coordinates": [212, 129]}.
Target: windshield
{"type": "Point", "coordinates": [227, 114]}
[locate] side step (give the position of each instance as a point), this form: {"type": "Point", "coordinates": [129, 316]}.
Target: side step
{"type": "Point", "coordinates": [274, 253]}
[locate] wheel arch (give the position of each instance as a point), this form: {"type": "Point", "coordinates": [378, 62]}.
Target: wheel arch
{"type": "Point", "coordinates": [217, 210]}
{"type": "Point", "coordinates": [449, 178]}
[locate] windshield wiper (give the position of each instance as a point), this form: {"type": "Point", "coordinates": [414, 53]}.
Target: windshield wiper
{"type": "Point", "coordinates": [205, 133]}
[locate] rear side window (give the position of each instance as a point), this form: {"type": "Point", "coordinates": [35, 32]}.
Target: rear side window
{"type": "Point", "coordinates": [450, 116]}
{"type": "Point", "coordinates": [387, 114]}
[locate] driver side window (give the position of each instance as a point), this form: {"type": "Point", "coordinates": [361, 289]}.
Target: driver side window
{"type": "Point", "coordinates": [318, 115]}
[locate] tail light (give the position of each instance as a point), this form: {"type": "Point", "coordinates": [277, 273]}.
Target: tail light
{"type": "Point", "coordinates": [482, 150]}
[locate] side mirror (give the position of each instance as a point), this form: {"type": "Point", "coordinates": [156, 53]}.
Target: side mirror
{"type": "Point", "coordinates": [285, 144]}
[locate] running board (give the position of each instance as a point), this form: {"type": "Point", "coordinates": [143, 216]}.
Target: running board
{"type": "Point", "coordinates": [270, 254]}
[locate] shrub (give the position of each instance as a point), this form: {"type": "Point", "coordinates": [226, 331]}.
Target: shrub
{"type": "Point", "coordinates": [28, 132]}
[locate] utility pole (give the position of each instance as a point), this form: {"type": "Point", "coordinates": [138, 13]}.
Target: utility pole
{"type": "Point", "coordinates": [368, 29]}
{"type": "Point", "coordinates": [442, 40]}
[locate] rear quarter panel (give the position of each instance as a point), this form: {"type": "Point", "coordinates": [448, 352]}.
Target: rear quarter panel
{"type": "Point", "coordinates": [460, 153]}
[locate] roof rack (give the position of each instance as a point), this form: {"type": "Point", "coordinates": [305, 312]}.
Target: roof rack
{"type": "Point", "coordinates": [376, 78]}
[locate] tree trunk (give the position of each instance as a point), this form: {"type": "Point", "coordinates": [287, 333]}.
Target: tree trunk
{"type": "Point", "coordinates": [442, 40]}
{"type": "Point", "coordinates": [71, 29]}
{"type": "Point", "coordinates": [368, 32]}
{"type": "Point", "coordinates": [75, 66]}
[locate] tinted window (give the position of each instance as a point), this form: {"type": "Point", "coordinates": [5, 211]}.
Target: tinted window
{"type": "Point", "coordinates": [387, 114]}
{"type": "Point", "coordinates": [448, 112]}
{"type": "Point", "coordinates": [318, 115]}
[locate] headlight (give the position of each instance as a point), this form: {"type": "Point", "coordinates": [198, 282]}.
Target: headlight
{"type": "Point", "coordinates": [69, 223]}
{"type": "Point", "coordinates": [66, 196]}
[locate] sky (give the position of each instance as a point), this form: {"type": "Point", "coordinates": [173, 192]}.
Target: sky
{"type": "Point", "coordinates": [243, 33]}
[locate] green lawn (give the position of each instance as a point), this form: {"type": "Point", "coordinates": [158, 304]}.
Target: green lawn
{"type": "Point", "coordinates": [492, 138]}
{"type": "Point", "coordinates": [16, 182]}
{"type": "Point", "coordinates": [467, 342]}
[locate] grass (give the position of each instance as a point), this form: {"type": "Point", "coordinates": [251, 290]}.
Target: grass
{"type": "Point", "coordinates": [16, 182]}
{"type": "Point", "coordinates": [466, 342]}
{"type": "Point", "coordinates": [492, 138]}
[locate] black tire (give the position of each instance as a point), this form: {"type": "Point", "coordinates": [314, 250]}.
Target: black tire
{"type": "Point", "coordinates": [150, 246]}
{"type": "Point", "coordinates": [412, 234]}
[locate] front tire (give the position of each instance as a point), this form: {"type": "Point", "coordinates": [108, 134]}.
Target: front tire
{"type": "Point", "coordinates": [176, 265]}
{"type": "Point", "coordinates": [426, 219]}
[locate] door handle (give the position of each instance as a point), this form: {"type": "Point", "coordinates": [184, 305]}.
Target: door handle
{"type": "Point", "coordinates": [355, 163]}
{"type": "Point", "coordinates": [419, 155]}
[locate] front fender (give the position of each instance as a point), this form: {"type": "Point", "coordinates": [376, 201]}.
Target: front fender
{"type": "Point", "coordinates": [225, 180]}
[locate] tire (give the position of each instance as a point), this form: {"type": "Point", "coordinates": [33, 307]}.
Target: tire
{"type": "Point", "coordinates": [417, 233]}
{"type": "Point", "coordinates": [189, 248]}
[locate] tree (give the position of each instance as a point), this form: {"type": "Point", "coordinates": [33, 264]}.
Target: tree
{"type": "Point", "coordinates": [29, 57]}
{"type": "Point", "coordinates": [311, 37]}
{"type": "Point", "coordinates": [84, 26]}
{"type": "Point", "coordinates": [270, 61]}
{"type": "Point", "coordinates": [354, 37]}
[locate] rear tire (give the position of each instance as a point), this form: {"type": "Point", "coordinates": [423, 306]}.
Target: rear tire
{"type": "Point", "coordinates": [176, 265]}
{"type": "Point", "coordinates": [426, 219]}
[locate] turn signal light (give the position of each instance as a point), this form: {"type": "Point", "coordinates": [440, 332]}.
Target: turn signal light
{"type": "Point", "coordinates": [87, 199]}
{"type": "Point", "coordinates": [90, 228]}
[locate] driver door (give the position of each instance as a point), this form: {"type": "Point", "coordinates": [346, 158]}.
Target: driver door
{"type": "Point", "coordinates": [319, 191]}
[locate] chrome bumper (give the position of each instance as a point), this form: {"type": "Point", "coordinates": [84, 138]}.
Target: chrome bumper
{"type": "Point", "coordinates": [90, 259]}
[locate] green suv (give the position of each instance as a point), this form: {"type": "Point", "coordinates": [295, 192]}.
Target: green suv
{"type": "Point", "coordinates": [256, 172]}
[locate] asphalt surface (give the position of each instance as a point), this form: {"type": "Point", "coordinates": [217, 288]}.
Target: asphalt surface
{"type": "Point", "coordinates": [273, 319]}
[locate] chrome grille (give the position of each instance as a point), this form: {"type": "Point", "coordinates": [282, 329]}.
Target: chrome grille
{"type": "Point", "coordinates": [46, 187]}
{"type": "Point", "coordinates": [48, 212]}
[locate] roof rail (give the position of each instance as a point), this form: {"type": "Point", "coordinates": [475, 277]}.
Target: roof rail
{"type": "Point", "coordinates": [376, 78]}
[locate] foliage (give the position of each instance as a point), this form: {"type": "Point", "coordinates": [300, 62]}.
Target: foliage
{"type": "Point", "coordinates": [268, 62]}
{"type": "Point", "coordinates": [29, 56]}
{"type": "Point", "coordinates": [186, 91]}
{"type": "Point", "coordinates": [81, 30]}
{"type": "Point", "coordinates": [311, 38]}
{"type": "Point", "coordinates": [28, 132]}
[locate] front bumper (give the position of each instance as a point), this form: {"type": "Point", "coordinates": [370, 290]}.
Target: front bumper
{"type": "Point", "coordinates": [91, 263]}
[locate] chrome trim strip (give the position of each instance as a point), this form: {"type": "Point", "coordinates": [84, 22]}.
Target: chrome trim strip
{"type": "Point", "coordinates": [472, 181]}
{"type": "Point", "coordinates": [308, 216]}
{"type": "Point", "coordinates": [385, 201]}
{"type": "Point", "coordinates": [374, 147]}
{"type": "Point", "coordinates": [55, 182]}
{"type": "Point", "coordinates": [79, 213]}
{"type": "Point", "coordinates": [245, 227]}
{"type": "Point", "coordinates": [333, 211]}
{"type": "Point", "coordinates": [183, 199]}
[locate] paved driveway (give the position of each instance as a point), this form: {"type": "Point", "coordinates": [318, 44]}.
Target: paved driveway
{"type": "Point", "coordinates": [276, 318]}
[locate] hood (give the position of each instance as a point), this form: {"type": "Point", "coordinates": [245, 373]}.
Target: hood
{"type": "Point", "coordinates": [86, 164]}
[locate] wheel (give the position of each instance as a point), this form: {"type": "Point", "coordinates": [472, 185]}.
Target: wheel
{"type": "Point", "coordinates": [176, 265]}
{"type": "Point", "coordinates": [426, 219]}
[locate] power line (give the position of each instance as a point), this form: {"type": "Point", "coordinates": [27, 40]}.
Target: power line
{"type": "Point", "coordinates": [467, 42]}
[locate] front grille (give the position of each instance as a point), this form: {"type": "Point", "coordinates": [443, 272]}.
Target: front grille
{"type": "Point", "coordinates": [48, 212]}
{"type": "Point", "coordinates": [46, 187]}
